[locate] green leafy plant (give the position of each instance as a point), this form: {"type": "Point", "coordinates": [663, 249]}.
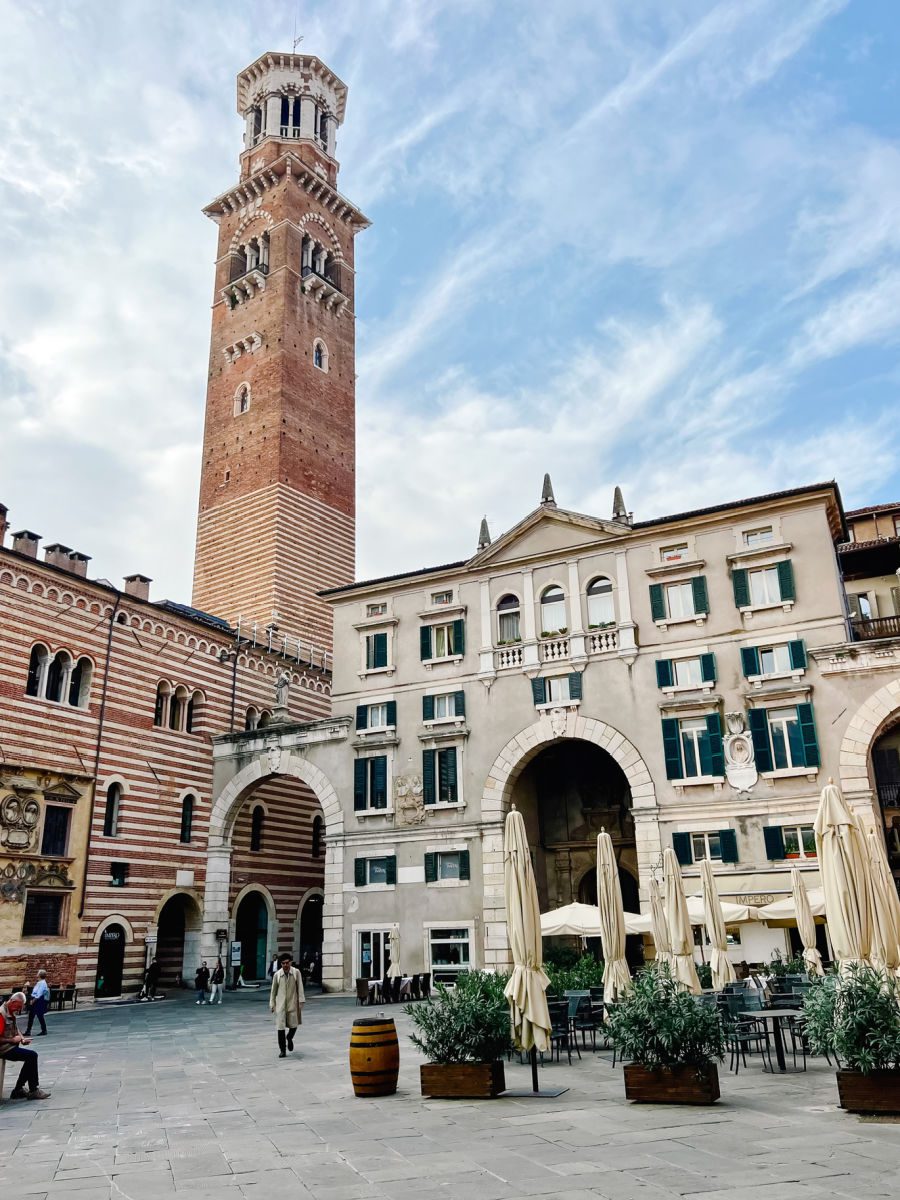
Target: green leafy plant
{"type": "Point", "coordinates": [779, 966]}
{"type": "Point", "coordinates": [468, 1023]}
{"type": "Point", "coordinates": [659, 1025]}
{"type": "Point", "coordinates": [855, 1016]}
{"type": "Point", "coordinates": [583, 973]}
{"type": "Point", "coordinates": [704, 974]}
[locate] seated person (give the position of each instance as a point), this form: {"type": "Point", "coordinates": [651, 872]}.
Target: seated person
{"type": "Point", "coordinates": [14, 1047]}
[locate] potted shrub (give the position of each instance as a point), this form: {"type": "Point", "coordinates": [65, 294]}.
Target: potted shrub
{"type": "Point", "coordinates": [668, 1040]}
{"type": "Point", "coordinates": [464, 1032]}
{"type": "Point", "coordinates": [854, 1017]}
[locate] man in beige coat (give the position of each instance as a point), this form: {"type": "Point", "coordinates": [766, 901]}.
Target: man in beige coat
{"type": "Point", "coordinates": [284, 1001]}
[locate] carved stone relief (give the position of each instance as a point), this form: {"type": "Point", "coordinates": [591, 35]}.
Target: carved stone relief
{"type": "Point", "coordinates": [740, 759]}
{"type": "Point", "coordinates": [409, 801]}
{"type": "Point", "coordinates": [19, 817]}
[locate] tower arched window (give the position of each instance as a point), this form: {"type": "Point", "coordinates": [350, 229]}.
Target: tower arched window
{"type": "Point", "coordinates": [112, 812]}
{"type": "Point", "coordinates": [553, 610]}
{"type": "Point", "coordinates": [187, 818]}
{"type": "Point", "coordinates": [178, 703]}
{"type": "Point", "coordinates": [161, 708]}
{"type": "Point", "coordinates": [80, 683]}
{"type": "Point", "coordinates": [37, 670]}
{"type": "Point", "coordinates": [257, 817]}
{"type": "Point", "coordinates": [600, 603]}
{"type": "Point", "coordinates": [192, 710]}
{"type": "Point", "coordinates": [508, 614]}
{"type": "Point", "coordinates": [242, 399]}
{"type": "Point", "coordinates": [257, 123]}
{"type": "Point", "coordinates": [318, 828]}
{"type": "Point", "coordinates": [251, 718]}
{"type": "Point", "coordinates": [58, 673]}
{"type": "Point", "coordinates": [320, 355]}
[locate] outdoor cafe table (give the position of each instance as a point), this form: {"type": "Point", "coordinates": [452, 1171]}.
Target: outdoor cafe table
{"type": "Point", "coordinates": [776, 1016]}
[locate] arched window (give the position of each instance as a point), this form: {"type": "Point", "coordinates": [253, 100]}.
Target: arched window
{"type": "Point", "coordinates": [265, 718]}
{"type": "Point", "coordinates": [601, 607]}
{"type": "Point", "coordinates": [553, 610]}
{"type": "Point", "coordinates": [242, 399]}
{"type": "Point", "coordinates": [251, 720]}
{"type": "Point", "coordinates": [178, 703]}
{"type": "Point", "coordinates": [508, 629]}
{"type": "Point", "coordinates": [320, 355]}
{"type": "Point", "coordinates": [111, 812]}
{"type": "Point", "coordinates": [161, 710]}
{"type": "Point", "coordinates": [37, 668]}
{"type": "Point", "coordinates": [318, 828]}
{"type": "Point", "coordinates": [80, 683]}
{"type": "Point", "coordinates": [192, 711]}
{"type": "Point", "coordinates": [256, 827]}
{"type": "Point", "coordinates": [58, 675]}
{"type": "Point", "coordinates": [187, 818]}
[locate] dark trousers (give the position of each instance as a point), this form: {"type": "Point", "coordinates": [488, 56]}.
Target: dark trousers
{"type": "Point", "coordinates": [38, 1008]}
{"type": "Point", "coordinates": [28, 1076]}
{"type": "Point", "coordinates": [286, 1035]}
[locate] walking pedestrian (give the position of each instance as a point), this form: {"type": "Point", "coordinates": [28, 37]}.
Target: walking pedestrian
{"type": "Point", "coordinates": [273, 967]}
{"type": "Point", "coordinates": [285, 1002]}
{"type": "Point", "coordinates": [40, 1002]}
{"type": "Point", "coordinates": [217, 983]}
{"type": "Point", "coordinates": [201, 982]}
{"type": "Point", "coordinates": [151, 979]}
{"type": "Point", "coordinates": [14, 1047]}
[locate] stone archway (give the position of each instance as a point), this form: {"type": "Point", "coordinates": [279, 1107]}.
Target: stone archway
{"type": "Point", "coordinates": [509, 764]}
{"type": "Point", "coordinates": [866, 725]}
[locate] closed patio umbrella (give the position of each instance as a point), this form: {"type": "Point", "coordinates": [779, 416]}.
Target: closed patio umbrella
{"type": "Point", "coordinates": [722, 970]}
{"type": "Point", "coordinates": [844, 867]}
{"type": "Point", "coordinates": [616, 976]}
{"type": "Point", "coordinates": [658, 927]}
{"type": "Point", "coordinates": [885, 908]}
{"type": "Point", "coordinates": [393, 971]}
{"type": "Point", "coordinates": [806, 925]}
{"type": "Point", "coordinates": [679, 924]}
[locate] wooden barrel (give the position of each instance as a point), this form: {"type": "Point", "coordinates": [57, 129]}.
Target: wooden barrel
{"type": "Point", "coordinates": [374, 1056]}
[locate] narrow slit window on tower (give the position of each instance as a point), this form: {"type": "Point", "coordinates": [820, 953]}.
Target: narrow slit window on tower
{"type": "Point", "coordinates": [187, 818]}
{"type": "Point", "coordinates": [256, 827]}
{"type": "Point", "coordinates": [111, 812]}
{"type": "Point", "coordinates": [317, 830]}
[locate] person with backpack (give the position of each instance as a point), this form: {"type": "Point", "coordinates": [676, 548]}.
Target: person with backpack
{"type": "Point", "coordinates": [201, 982]}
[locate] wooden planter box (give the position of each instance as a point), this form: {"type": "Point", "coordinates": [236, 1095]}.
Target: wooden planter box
{"type": "Point", "coordinates": [462, 1081]}
{"type": "Point", "coordinates": [676, 1085]}
{"type": "Point", "coordinates": [877, 1092]}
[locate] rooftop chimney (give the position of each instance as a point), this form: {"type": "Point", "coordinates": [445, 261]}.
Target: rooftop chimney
{"type": "Point", "coordinates": [4, 524]}
{"type": "Point", "coordinates": [57, 555]}
{"type": "Point", "coordinates": [78, 563]}
{"type": "Point", "coordinates": [484, 535]}
{"type": "Point", "coordinates": [138, 586]}
{"type": "Point", "coordinates": [26, 542]}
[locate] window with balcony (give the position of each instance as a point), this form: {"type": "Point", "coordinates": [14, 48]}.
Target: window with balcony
{"type": "Point", "coordinates": [508, 620]}
{"type": "Point", "coordinates": [553, 611]}
{"type": "Point", "coordinates": [600, 604]}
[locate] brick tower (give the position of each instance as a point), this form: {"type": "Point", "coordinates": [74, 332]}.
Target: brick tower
{"type": "Point", "coordinates": [277, 504]}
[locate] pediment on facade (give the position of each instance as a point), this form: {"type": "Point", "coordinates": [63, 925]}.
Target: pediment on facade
{"type": "Point", "coordinates": [549, 531]}
{"type": "Point", "coordinates": [61, 790]}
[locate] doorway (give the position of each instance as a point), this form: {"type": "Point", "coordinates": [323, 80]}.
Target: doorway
{"type": "Point", "coordinates": [178, 939]}
{"type": "Point", "coordinates": [110, 961]}
{"type": "Point", "coordinates": [373, 953]}
{"type": "Point", "coordinates": [311, 935]}
{"type": "Point", "coordinates": [252, 931]}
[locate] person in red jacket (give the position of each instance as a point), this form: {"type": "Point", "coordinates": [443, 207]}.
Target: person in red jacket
{"type": "Point", "coordinates": [14, 1048]}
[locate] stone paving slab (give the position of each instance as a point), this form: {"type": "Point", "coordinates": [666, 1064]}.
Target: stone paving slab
{"type": "Point", "coordinates": [152, 1101]}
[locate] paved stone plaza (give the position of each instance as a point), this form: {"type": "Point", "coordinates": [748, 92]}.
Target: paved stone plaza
{"type": "Point", "coordinates": [153, 1100]}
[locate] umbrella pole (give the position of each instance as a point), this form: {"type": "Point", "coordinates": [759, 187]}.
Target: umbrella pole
{"type": "Point", "coordinates": [534, 1077]}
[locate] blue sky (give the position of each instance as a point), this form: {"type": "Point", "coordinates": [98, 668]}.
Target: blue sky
{"type": "Point", "coordinates": [621, 241]}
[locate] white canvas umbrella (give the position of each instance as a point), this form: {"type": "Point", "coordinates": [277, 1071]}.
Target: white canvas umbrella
{"type": "Point", "coordinates": [616, 976]}
{"type": "Point", "coordinates": [786, 908]}
{"type": "Point", "coordinates": [722, 970]}
{"type": "Point", "coordinates": [885, 908]}
{"type": "Point", "coordinates": [806, 925]}
{"type": "Point", "coordinates": [393, 971]}
{"type": "Point", "coordinates": [658, 926]}
{"type": "Point", "coordinates": [679, 925]}
{"type": "Point", "coordinates": [583, 920]}
{"type": "Point", "coordinates": [844, 867]}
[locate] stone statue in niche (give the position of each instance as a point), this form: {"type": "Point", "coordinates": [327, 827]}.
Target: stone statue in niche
{"type": "Point", "coordinates": [19, 817]}
{"type": "Point", "coordinates": [409, 801]}
{"type": "Point", "coordinates": [558, 721]}
{"type": "Point", "coordinates": [273, 753]}
{"type": "Point", "coordinates": [282, 689]}
{"type": "Point", "coordinates": [740, 760]}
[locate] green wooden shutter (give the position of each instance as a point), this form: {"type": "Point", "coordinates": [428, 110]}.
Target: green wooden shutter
{"type": "Point", "coordinates": [750, 660]}
{"type": "Point", "coordinates": [786, 580]}
{"type": "Point", "coordinates": [428, 708]}
{"type": "Point", "coordinates": [672, 748]}
{"type": "Point", "coordinates": [390, 869]}
{"type": "Point", "coordinates": [798, 654]}
{"type": "Point", "coordinates": [759, 731]}
{"type": "Point", "coordinates": [362, 716]}
{"type": "Point", "coordinates": [465, 871]}
{"type": "Point", "coordinates": [853, 605]}
{"type": "Point", "coordinates": [728, 841]}
{"type": "Point", "coordinates": [425, 651]}
{"type": "Point", "coordinates": [379, 649]}
{"type": "Point", "coordinates": [428, 792]}
{"type": "Point", "coordinates": [774, 836]}
{"type": "Point", "coordinates": [808, 733]}
{"type": "Point", "coordinates": [392, 712]}
{"type": "Point", "coordinates": [359, 784]}
{"type": "Point", "coordinates": [741, 585]}
{"type": "Point", "coordinates": [359, 872]}
{"type": "Point", "coordinates": [539, 690]}
{"type": "Point", "coordinates": [657, 602]}
{"type": "Point", "coordinates": [701, 594]}
{"type": "Point", "coordinates": [447, 776]}
{"type": "Point", "coordinates": [665, 673]}
{"type": "Point", "coordinates": [708, 668]}
{"type": "Point", "coordinates": [459, 703]}
{"type": "Point", "coordinates": [379, 781]}
{"type": "Point", "coordinates": [575, 686]}
{"type": "Point", "coordinates": [716, 746]}
{"type": "Point", "coordinates": [431, 866]}
{"type": "Point", "coordinates": [681, 844]}
{"type": "Point", "coordinates": [459, 636]}
{"type": "Point", "coordinates": [895, 600]}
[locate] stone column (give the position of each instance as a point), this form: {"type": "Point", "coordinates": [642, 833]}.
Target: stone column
{"type": "Point", "coordinates": [627, 644]}
{"type": "Point", "coordinates": [248, 130]}
{"type": "Point", "coordinates": [333, 919]}
{"type": "Point", "coordinates": [496, 941]}
{"type": "Point", "coordinates": [649, 846]}
{"type": "Point", "coordinates": [307, 117]}
{"type": "Point", "coordinates": [529, 648]}
{"type": "Point", "coordinates": [273, 115]}
{"type": "Point", "coordinates": [215, 897]}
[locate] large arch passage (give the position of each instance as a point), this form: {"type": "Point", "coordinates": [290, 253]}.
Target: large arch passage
{"type": "Point", "coordinates": [870, 764]}
{"type": "Point", "coordinates": [178, 939]}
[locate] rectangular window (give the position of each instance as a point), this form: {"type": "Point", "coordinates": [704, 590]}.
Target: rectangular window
{"type": "Point", "coordinates": [445, 706]}
{"type": "Point", "coordinates": [370, 783]}
{"type": "Point", "coordinates": [442, 641]}
{"type": "Point", "coordinates": [688, 672]}
{"type": "Point", "coordinates": [557, 689]}
{"type": "Point", "coordinates": [799, 841]}
{"type": "Point", "coordinates": [679, 600]}
{"type": "Point", "coordinates": [764, 588]}
{"type": "Point", "coordinates": [508, 626]}
{"type": "Point", "coordinates": [450, 865]}
{"type": "Point", "coordinates": [774, 660]}
{"type": "Point", "coordinates": [376, 870]}
{"type": "Point", "coordinates": [439, 598]}
{"type": "Point", "coordinates": [43, 915]}
{"type": "Point", "coordinates": [450, 953]}
{"type": "Point", "coordinates": [673, 553]}
{"type": "Point", "coordinates": [118, 874]}
{"type": "Point", "coordinates": [55, 838]}
{"type": "Point", "coordinates": [896, 526]}
{"type": "Point", "coordinates": [785, 738]}
{"type": "Point", "coordinates": [695, 752]}
{"type": "Point", "coordinates": [376, 651]}
{"type": "Point", "coordinates": [376, 610]}
{"type": "Point", "coordinates": [440, 776]}
{"type": "Point", "coordinates": [758, 537]}
{"type": "Point", "coordinates": [706, 845]}
{"type": "Point", "coordinates": [378, 716]}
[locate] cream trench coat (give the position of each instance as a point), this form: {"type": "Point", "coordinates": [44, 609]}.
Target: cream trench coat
{"type": "Point", "coordinates": [286, 998]}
